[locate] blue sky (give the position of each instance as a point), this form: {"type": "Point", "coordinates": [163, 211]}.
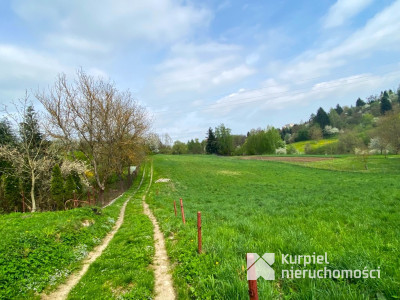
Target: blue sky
{"type": "Point", "coordinates": [197, 64]}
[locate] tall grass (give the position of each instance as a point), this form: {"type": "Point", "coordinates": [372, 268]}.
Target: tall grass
{"type": "Point", "coordinates": [263, 206]}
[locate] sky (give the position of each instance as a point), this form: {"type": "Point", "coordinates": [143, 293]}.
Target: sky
{"type": "Point", "coordinates": [198, 64]}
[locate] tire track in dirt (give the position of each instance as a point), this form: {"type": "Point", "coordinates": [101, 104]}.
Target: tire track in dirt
{"type": "Point", "coordinates": [63, 290]}
{"type": "Point", "coordinates": [164, 289]}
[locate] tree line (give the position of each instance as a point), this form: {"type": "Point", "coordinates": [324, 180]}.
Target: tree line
{"type": "Point", "coordinates": [87, 138]}
{"type": "Point", "coordinates": [372, 125]}
{"type": "Point", "coordinates": [221, 141]}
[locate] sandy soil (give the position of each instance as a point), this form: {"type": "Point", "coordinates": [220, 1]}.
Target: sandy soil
{"type": "Point", "coordinates": [164, 289]}
{"type": "Point", "coordinates": [288, 158]}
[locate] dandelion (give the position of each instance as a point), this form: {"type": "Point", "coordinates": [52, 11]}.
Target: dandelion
{"type": "Point", "coordinates": [217, 263]}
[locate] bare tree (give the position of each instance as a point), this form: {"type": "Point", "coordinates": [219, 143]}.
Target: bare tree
{"type": "Point", "coordinates": [91, 115]}
{"type": "Point", "coordinates": [27, 158]}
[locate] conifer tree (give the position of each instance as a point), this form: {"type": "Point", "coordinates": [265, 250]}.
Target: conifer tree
{"type": "Point", "coordinates": [386, 105]}
{"type": "Point", "coordinates": [339, 109]}
{"type": "Point", "coordinates": [360, 103]}
{"type": "Point", "coordinates": [11, 192]}
{"type": "Point", "coordinates": [211, 147]}
{"type": "Point", "coordinates": [322, 118]}
{"type": "Point", "coordinates": [70, 187]}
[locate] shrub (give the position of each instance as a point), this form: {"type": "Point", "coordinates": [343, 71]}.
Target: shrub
{"type": "Point", "coordinates": [290, 149]}
{"type": "Point", "coordinates": [280, 151]}
{"type": "Point", "coordinates": [57, 187]}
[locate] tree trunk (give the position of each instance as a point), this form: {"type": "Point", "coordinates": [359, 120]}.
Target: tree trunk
{"type": "Point", "coordinates": [101, 196]}
{"type": "Point", "coordinates": [121, 182]}
{"type": "Point", "coordinates": [33, 191]}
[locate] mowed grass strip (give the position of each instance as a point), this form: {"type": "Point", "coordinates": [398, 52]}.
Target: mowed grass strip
{"type": "Point", "coordinates": [356, 163]}
{"type": "Point", "coordinates": [263, 206]}
{"type": "Point", "coordinates": [123, 270]}
{"type": "Point", "coordinates": [39, 250]}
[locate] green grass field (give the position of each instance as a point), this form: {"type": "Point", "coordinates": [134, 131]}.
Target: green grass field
{"type": "Point", "coordinates": [299, 146]}
{"type": "Point", "coordinates": [375, 164]}
{"type": "Point", "coordinates": [264, 206]}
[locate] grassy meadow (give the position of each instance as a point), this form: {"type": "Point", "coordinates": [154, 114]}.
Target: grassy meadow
{"type": "Point", "coordinates": [39, 250]}
{"type": "Point", "coordinates": [123, 270]}
{"type": "Point", "coordinates": [265, 206]}
{"type": "Point", "coordinates": [385, 166]}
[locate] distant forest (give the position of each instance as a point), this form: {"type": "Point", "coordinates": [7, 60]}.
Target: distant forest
{"type": "Point", "coordinates": [371, 126]}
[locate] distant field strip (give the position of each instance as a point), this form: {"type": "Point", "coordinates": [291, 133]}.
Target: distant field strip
{"type": "Point", "coordinates": [287, 158]}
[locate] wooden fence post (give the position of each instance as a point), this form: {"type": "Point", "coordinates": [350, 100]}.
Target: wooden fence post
{"type": "Point", "coordinates": [253, 291]}
{"type": "Point", "coordinates": [199, 230]}
{"type": "Point", "coordinates": [182, 211]}
{"type": "Point", "coordinates": [175, 207]}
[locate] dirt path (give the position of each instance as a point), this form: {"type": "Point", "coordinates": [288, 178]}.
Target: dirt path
{"type": "Point", "coordinates": [63, 290]}
{"type": "Point", "coordinates": [164, 289]}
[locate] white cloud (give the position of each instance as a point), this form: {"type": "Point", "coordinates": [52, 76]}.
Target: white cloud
{"type": "Point", "coordinates": [245, 99]}
{"type": "Point", "coordinates": [23, 69]}
{"type": "Point", "coordinates": [194, 125]}
{"type": "Point", "coordinates": [343, 10]}
{"type": "Point", "coordinates": [276, 96]}
{"type": "Point", "coordinates": [379, 34]}
{"type": "Point", "coordinates": [29, 69]}
{"type": "Point", "coordinates": [25, 63]}
{"type": "Point", "coordinates": [76, 43]}
{"type": "Point", "coordinates": [201, 67]}
{"type": "Point", "coordinates": [191, 49]}
{"type": "Point", "coordinates": [110, 21]}
{"type": "Point", "coordinates": [233, 74]}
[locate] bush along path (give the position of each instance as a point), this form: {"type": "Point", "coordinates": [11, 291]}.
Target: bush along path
{"type": "Point", "coordinates": [63, 290]}
{"type": "Point", "coordinates": [163, 280]}
{"type": "Point", "coordinates": [38, 251]}
{"type": "Point", "coordinates": [122, 271]}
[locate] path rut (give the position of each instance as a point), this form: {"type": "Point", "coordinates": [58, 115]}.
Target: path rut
{"type": "Point", "coordinates": [63, 290]}
{"type": "Point", "coordinates": [164, 289]}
